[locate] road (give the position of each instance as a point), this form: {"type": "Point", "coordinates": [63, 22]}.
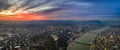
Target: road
{"type": "Point", "coordinates": [83, 42]}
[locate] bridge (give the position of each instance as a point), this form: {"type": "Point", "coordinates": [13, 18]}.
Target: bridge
{"type": "Point", "coordinates": [83, 42]}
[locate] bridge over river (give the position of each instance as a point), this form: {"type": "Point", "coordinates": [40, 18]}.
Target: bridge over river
{"type": "Point", "coordinates": [83, 42]}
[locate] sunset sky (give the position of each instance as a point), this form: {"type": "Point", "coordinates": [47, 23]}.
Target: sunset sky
{"type": "Point", "coordinates": [59, 10]}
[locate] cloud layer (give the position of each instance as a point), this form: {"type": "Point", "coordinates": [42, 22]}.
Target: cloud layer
{"type": "Point", "coordinates": [66, 9]}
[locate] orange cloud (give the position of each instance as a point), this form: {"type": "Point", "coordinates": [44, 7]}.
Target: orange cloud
{"type": "Point", "coordinates": [23, 17]}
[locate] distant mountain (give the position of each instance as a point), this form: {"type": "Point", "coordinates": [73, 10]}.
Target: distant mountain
{"type": "Point", "coordinates": [68, 22]}
{"type": "Point", "coordinates": [95, 21]}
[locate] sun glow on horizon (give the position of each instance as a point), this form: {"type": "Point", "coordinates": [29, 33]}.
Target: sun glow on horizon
{"type": "Point", "coordinates": [17, 12]}
{"type": "Point", "coordinates": [21, 16]}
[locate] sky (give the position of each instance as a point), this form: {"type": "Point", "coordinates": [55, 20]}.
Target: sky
{"type": "Point", "coordinates": [59, 9]}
